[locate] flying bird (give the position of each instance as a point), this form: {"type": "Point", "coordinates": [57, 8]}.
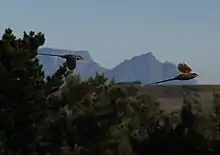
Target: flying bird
{"type": "Point", "coordinates": [186, 74]}
{"type": "Point", "coordinates": [70, 59]}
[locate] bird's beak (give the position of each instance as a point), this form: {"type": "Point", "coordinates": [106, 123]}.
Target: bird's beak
{"type": "Point", "coordinates": [82, 60]}
{"type": "Point", "coordinates": [79, 58]}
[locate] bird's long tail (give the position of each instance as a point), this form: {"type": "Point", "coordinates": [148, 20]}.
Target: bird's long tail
{"type": "Point", "coordinates": [164, 81]}
{"type": "Point", "coordinates": [50, 54]}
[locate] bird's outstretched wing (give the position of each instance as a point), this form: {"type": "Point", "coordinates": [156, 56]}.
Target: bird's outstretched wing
{"type": "Point", "coordinates": [50, 54]}
{"type": "Point", "coordinates": [184, 68]}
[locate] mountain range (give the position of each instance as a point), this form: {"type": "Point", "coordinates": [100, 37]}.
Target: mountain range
{"type": "Point", "coordinates": [144, 68]}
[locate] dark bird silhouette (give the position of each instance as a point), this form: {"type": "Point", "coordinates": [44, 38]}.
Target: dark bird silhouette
{"type": "Point", "coordinates": [70, 59]}
{"type": "Point", "coordinates": [186, 74]}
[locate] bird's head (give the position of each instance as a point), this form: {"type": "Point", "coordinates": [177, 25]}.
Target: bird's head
{"type": "Point", "coordinates": [194, 75]}
{"type": "Point", "coordinates": [78, 57]}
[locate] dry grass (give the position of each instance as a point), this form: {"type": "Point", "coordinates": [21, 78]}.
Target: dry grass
{"type": "Point", "coordinates": [171, 96]}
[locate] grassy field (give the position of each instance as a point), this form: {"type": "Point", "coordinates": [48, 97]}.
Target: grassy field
{"type": "Point", "coordinates": [171, 96]}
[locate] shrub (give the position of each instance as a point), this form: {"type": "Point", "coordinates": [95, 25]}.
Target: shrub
{"type": "Point", "coordinates": [62, 114]}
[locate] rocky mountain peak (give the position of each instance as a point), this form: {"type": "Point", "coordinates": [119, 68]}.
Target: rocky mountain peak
{"type": "Point", "coordinates": [145, 67]}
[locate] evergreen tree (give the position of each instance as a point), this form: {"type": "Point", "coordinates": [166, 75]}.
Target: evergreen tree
{"type": "Point", "coordinates": [61, 114]}
{"type": "Point", "coordinates": [23, 91]}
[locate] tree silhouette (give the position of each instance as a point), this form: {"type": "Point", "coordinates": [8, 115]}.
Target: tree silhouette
{"type": "Point", "coordinates": [62, 114]}
{"type": "Point", "coordinates": [23, 90]}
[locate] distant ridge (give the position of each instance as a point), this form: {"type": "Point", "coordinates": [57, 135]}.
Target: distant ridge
{"type": "Point", "coordinates": [144, 68]}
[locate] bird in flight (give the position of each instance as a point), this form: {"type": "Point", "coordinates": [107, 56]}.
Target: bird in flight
{"type": "Point", "coordinates": [186, 74]}
{"type": "Point", "coordinates": [70, 59]}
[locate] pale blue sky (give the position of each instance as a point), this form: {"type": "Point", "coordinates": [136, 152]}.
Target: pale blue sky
{"type": "Point", "coordinates": [113, 30]}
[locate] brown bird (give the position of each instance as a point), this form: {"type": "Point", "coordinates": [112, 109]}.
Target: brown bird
{"type": "Point", "coordinates": [70, 59]}
{"type": "Point", "coordinates": [185, 71]}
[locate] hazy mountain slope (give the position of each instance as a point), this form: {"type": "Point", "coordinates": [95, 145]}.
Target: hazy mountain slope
{"type": "Point", "coordinates": [145, 68]}
{"type": "Point", "coordinates": [84, 68]}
